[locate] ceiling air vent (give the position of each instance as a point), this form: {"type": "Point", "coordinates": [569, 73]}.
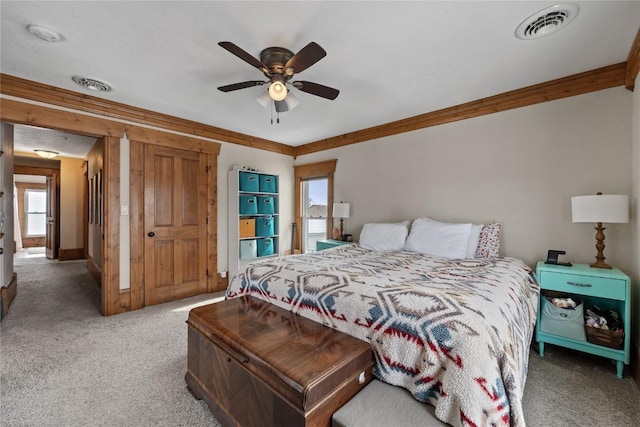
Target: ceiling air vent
{"type": "Point", "coordinates": [92, 84]}
{"type": "Point", "coordinates": [547, 21]}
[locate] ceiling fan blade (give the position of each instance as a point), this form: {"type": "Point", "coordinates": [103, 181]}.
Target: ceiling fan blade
{"type": "Point", "coordinates": [241, 85]}
{"type": "Point", "coordinates": [306, 57]}
{"type": "Point", "coordinates": [281, 106]}
{"type": "Point", "coordinates": [242, 54]}
{"type": "Point", "coordinates": [317, 89]}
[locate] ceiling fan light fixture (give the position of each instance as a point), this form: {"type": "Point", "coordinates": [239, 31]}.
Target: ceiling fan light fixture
{"type": "Point", "coordinates": [264, 100]}
{"type": "Point", "coordinates": [278, 90]}
{"type": "Point", "coordinates": [46, 154]}
{"type": "Point", "coordinates": [292, 101]}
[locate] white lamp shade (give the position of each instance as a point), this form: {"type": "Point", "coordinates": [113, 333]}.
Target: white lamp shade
{"type": "Point", "coordinates": [291, 100]}
{"type": "Point", "coordinates": [265, 99]}
{"type": "Point", "coordinates": [341, 210]}
{"type": "Point", "coordinates": [611, 208]}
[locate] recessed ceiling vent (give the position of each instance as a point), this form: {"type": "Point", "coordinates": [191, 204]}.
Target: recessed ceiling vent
{"type": "Point", "coordinates": [547, 21]}
{"type": "Point", "coordinates": [92, 84]}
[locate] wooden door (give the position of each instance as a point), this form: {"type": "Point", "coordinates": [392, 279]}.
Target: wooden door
{"type": "Point", "coordinates": [51, 235]}
{"type": "Point", "coordinates": [175, 224]}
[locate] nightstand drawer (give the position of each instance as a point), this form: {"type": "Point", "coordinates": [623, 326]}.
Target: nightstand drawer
{"type": "Point", "coordinates": [584, 285]}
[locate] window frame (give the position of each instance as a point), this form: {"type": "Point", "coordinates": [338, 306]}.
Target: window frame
{"type": "Point", "coordinates": [324, 169]}
{"type": "Point", "coordinates": [27, 212]}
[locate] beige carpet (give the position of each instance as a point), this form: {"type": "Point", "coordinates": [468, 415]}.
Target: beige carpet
{"type": "Point", "coordinates": [63, 364]}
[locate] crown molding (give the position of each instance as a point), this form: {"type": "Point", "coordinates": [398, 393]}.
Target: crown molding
{"type": "Point", "coordinates": [577, 84]}
{"type": "Point", "coordinates": [34, 91]}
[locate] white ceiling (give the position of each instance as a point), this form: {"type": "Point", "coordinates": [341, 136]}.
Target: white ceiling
{"type": "Point", "coordinates": [390, 60]}
{"type": "Point", "coordinates": [29, 138]}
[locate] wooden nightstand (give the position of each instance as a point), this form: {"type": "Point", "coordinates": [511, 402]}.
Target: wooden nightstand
{"type": "Point", "coordinates": [326, 244]}
{"type": "Point", "coordinates": [608, 289]}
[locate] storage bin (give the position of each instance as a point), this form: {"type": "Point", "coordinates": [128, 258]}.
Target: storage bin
{"type": "Point", "coordinates": [249, 181]}
{"type": "Point", "coordinates": [248, 205]}
{"type": "Point", "coordinates": [565, 322]}
{"type": "Point", "coordinates": [264, 227]}
{"type": "Point", "coordinates": [247, 228]}
{"type": "Point", "coordinates": [268, 184]}
{"type": "Point", "coordinates": [265, 205]}
{"type": "Point", "coordinates": [248, 249]}
{"type": "Point", "coordinates": [265, 247]}
{"type": "Point", "coordinates": [611, 339]}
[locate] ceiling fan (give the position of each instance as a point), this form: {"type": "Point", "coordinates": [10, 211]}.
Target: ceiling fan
{"type": "Point", "coordinates": [279, 65]}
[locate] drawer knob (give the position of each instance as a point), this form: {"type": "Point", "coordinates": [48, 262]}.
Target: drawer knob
{"type": "Point", "coordinates": [582, 285]}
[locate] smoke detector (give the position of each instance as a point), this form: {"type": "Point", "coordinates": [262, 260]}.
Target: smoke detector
{"type": "Point", "coordinates": [92, 84]}
{"type": "Point", "coordinates": [44, 33]}
{"type": "Point", "coordinates": [547, 21]}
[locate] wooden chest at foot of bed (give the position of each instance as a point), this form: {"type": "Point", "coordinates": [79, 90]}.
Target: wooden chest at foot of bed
{"type": "Point", "coordinates": [256, 364]}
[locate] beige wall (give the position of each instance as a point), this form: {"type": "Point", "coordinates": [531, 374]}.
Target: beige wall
{"type": "Point", "coordinates": [71, 203]}
{"type": "Point", "coordinates": [519, 168]}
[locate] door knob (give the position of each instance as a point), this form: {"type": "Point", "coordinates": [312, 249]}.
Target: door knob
{"type": "Point", "coordinates": [151, 234]}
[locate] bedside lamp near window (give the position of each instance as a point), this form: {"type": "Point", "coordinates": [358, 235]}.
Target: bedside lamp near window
{"type": "Point", "coordinates": [341, 210]}
{"type": "Point", "coordinates": [600, 208]}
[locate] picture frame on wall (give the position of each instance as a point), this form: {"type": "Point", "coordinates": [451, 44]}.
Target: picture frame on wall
{"type": "Point", "coordinates": [99, 196]}
{"type": "Point", "coordinates": [91, 198]}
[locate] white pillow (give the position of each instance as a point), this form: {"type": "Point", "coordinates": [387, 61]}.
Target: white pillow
{"type": "Point", "coordinates": [440, 239]}
{"type": "Point", "coordinates": [474, 237]}
{"type": "Point", "coordinates": [384, 237]}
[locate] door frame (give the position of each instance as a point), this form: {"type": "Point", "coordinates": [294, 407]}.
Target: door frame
{"type": "Point", "coordinates": [55, 175]}
{"type": "Point", "coordinates": [115, 300]}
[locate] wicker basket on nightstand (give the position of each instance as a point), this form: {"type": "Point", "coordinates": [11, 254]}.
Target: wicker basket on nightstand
{"type": "Point", "coordinates": [603, 337]}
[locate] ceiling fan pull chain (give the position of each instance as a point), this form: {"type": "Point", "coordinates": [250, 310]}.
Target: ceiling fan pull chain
{"type": "Point", "coordinates": [271, 109]}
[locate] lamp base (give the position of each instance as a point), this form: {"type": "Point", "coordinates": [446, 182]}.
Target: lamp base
{"type": "Point", "coordinates": [600, 247]}
{"type": "Point", "coordinates": [600, 264]}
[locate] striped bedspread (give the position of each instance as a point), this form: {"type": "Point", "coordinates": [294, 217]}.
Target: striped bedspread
{"type": "Point", "coordinates": [455, 333]}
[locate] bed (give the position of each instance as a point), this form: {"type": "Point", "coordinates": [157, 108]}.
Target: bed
{"type": "Point", "coordinates": [455, 332]}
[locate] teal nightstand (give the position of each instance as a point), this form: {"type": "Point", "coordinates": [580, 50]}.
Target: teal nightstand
{"type": "Point", "coordinates": [326, 244]}
{"type": "Point", "coordinates": [608, 289]}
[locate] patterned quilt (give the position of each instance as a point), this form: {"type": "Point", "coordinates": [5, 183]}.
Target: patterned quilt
{"type": "Point", "coordinates": [455, 333]}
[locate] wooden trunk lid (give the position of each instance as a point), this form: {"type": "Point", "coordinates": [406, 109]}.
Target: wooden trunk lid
{"type": "Point", "coordinates": [300, 359]}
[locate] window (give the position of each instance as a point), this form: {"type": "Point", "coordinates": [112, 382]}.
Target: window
{"type": "Point", "coordinates": [36, 212]}
{"type": "Point", "coordinates": [314, 212]}
{"type": "Point", "coordinates": [313, 194]}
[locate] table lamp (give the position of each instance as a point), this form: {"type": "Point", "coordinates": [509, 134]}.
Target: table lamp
{"type": "Point", "coordinates": [341, 210]}
{"type": "Point", "coordinates": [613, 208]}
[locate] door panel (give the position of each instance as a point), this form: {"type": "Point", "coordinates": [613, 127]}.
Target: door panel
{"type": "Point", "coordinates": [175, 250]}
{"type": "Point", "coordinates": [51, 235]}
